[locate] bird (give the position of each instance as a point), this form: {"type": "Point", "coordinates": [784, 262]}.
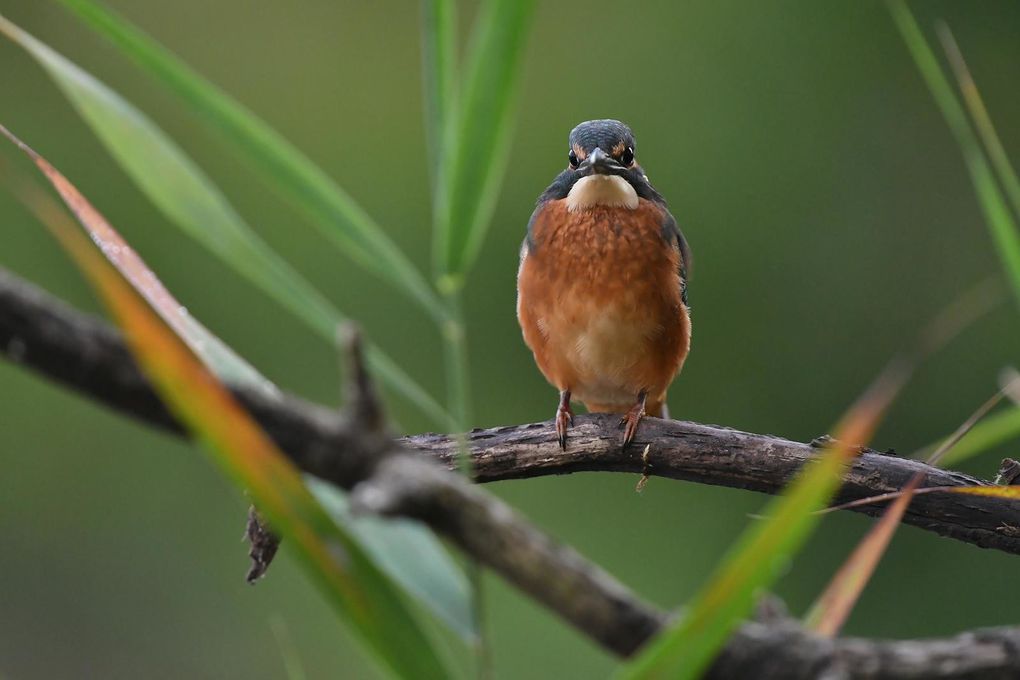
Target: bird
{"type": "Point", "coordinates": [602, 283]}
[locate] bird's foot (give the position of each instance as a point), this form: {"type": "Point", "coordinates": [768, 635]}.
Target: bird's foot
{"type": "Point", "coordinates": [564, 418]}
{"type": "Point", "coordinates": [631, 419]}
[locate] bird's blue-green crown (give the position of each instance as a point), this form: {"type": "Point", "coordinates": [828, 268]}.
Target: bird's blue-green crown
{"type": "Point", "coordinates": [611, 136]}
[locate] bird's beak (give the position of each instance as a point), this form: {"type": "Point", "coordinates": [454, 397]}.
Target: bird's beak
{"type": "Point", "coordinates": [600, 162]}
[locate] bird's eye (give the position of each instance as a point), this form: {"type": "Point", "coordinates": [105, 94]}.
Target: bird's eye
{"type": "Point", "coordinates": [572, 158]}
{"type": "Point", "coordinates": [627, 157]}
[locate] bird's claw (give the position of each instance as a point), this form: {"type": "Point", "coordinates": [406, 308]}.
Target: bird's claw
{"type": "Point", "coordinates": [564, 419]}
{"type": "Point", "coordinates": [630, 422]}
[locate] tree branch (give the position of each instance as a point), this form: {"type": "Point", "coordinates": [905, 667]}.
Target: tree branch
{"type": "Point", "coordinates": [710, 454]}
{"type": "Point", "coordinates": [42, 333]}
{"type": "Point", "coordinates": [84, 353]}
{"type": "Point", "coordinates": [88, 355]}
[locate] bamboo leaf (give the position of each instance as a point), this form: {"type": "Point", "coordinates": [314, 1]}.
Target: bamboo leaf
{"type": "Point", "coordinates": [191, 200]}
{"type": "Point", "coordinates": [832, 608]}
{"type": "Point", "coordinates": [362, 593]}
{"type": "Point", "coordinates": [477, 138]}
{"type": "Point", "coordinates": [216, 355]}
{"type": "Point", "coordinates": [991, 432]}
{"type": "Point", "coordinates": [410, 555]}
{"type": "Point", "coordinates": [686, 648]}
{"type": "Point", "coordinates": [280, 164]}
{"type": "Point", "coordinates": [1000, 222]}
{"type": "Point", "coordinates": [979, 114]}
{"type": "Point", "coordinates": [406, 551]}
{"type": "Point", "coordinates": [439, 71]}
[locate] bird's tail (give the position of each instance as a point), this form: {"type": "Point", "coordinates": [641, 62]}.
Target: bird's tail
{"type": "Point", "coordinates": [657, 409]}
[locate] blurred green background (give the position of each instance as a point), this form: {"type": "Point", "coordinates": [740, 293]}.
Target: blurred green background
{"type": "Point", "coordinates": [829, 213]}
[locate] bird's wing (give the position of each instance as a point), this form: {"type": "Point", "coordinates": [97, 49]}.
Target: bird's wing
{"type": "Point", "coordinates": [671, 231]}
{"type": "Point", "coordinates": [529, 242]}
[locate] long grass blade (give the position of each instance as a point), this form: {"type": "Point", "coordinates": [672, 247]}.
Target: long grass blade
{"type": "Point", "coordinates": [362, 593]}
{"type": "Point", "coordinates": [687, 647]}
{"type": "Point", "coordinates": [408, 552]}
{"type": "Point", "coordinates": [280, 164]}
{"type": "Point", "coordinates": [993, 431]}
{"type": "Point", "coordinates": [217, 355]}
{"type": "Point", "coordinates": [997, 214]}
{"type": "Point", "coordinates": [410, 555]}
{"type": "Point", "coordinates": [476, 141]}
{"type": "Point", "coordinates": [191, 200]}
{"type": "Point", "coordinates": [833, 607]}
{"type": "Point", "coordinates": [439, 75]}
{"type": "Point", "coordinates": [979, 114]}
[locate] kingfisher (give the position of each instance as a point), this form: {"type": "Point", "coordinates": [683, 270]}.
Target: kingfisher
{"type": "Point", "coordinates": [602, 283]}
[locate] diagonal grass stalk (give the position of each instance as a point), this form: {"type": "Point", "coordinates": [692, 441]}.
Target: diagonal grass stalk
{"type": "Point", "coordinates": [1001, 223]}
{"type": "Point", "coordinates": [278, 162]}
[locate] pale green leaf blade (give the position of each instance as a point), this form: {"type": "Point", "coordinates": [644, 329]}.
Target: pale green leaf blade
{"type": "Point", "coordinates": [478, 136]}
{"type": "Point", "coordinates": [982, 119]}
{"type": "Point", "coordinates": [685, 649]}
{"type": "Point", "coordinates": [439, 73]}
{"type": "Point", "coordinates": [190, 200]}
{"type": "Point", "coordinates": [831, 610]}
{"type": "Point", "coordinates": [994, 430]}
{"type": "Point", "coordinates": [278, 162]}
{"type": "Point", "coordinates": [217, 355]}
{"type": "Point", "coordinates": [410, 555]}
{"type": "Point", "coordinates": [1001, 223]}
{"type": "Point", "coordinates": [366, 598]}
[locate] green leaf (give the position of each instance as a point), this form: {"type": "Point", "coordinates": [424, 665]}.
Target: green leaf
{"type": "Point", "coordinates": [280, 164]}
{"type": "Point", "coordinates": [359, 590]}
{"type": "Point", "coordinates": [409, 554]}
{"type": "Point", "coordinates": [215, 354]}
{"type": "Point", "coordinates": [685, 649]}
{"type": "Point", "coordinates": [991, 432]}
{"type": "Point", "coordinates": [982, 120]}
{"type": "Point", "coordinates": [190, 200]}
{"type": "Point", "coordinates": [439, 74]}
{"type": "Point", "coordinates": [831, 610]}
{"type": "Point", "coordinates": [477, 138]}
{"type": "Point", "coordinates": [993, 205]}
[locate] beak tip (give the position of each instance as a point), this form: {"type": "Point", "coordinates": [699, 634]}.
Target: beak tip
{"type": "Point", "coordinates": [597, 161]}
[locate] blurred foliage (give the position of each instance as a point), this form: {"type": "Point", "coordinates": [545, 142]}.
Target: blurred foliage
{"type": "Point", "coordinates": [800, 150]}
{"type": "Point", "coordinates": [763, 551]}
{"type": "Point", "coordinates": [185, 379]}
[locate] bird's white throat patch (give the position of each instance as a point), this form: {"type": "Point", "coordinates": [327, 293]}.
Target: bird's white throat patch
{"type": "Point", "coordinates": [606, 190]}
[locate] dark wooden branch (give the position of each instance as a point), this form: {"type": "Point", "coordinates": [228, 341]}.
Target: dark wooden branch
{"type": "Point", "coordinates": [721, 456]}
{"type": "Point", "coordinates": [40, 332]}
{"type": "Point", "coordinates": [86, 354]}
{"type": "Point", "coordinates": [81, 352]}
{"type": "Point", "coordinates": [777, 648]}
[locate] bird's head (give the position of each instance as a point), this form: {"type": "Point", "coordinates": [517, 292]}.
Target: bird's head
{"type": "Point", "coordinates": [603, 147]}
{"type": "Point", "coordinates": [602, 169]}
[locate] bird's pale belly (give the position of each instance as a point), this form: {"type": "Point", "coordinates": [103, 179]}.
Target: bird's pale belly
{"type": "Point", "coordinates": [610, 350]}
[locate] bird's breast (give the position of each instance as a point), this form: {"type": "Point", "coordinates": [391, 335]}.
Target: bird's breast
{"type": "Point", "coordinates": [599, 296]}
{"type": "Point", "coordinates": [613, 253]}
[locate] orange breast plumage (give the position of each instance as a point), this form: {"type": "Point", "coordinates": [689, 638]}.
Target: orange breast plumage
{"type": "Point", "coordinates": [600, 302]}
